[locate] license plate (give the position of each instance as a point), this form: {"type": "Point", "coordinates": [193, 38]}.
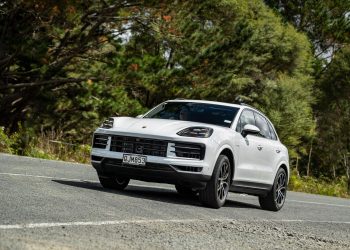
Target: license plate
{"type": "Point", "coordinates": [131, 159]}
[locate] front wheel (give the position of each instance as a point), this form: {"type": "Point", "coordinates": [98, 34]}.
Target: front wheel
{"type": "Point", "coordinates": [117, 183]}
{"type": "Point", "coordinates": [275, 199]}
{"type": "Point", "coordinates": [215, 193]}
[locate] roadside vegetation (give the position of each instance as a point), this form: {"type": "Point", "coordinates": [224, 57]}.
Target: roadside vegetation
{"type": "Point", "coordinates": [46, 145]}
{"type": "Point", "coordinates": [68, 65]}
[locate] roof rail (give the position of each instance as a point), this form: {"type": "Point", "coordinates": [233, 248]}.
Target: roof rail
{"type": "Point", "coordinates": [250, 106]}
{"type": "Point", "coordinates": [180, 98]}
{"type": "Point", "coordinates": [247, 105]}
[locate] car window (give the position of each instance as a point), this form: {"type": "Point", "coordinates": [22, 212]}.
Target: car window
{"type": "Point", "coordinates": [261, 123]}
{"type": "Point", "coordinates": [272, 132]}
{"type": "Point", "coordinates": [247, 117]}
{"type": "Point", "coordinates": [220, 115]}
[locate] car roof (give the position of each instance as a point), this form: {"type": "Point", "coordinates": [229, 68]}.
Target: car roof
{"type": "Point", "coordinates": [209, 102]}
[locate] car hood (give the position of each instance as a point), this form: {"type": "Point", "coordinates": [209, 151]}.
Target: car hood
{"type": "Point", "coordinates": [152, 126]}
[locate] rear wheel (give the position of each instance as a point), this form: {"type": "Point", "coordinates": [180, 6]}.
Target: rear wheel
{"type": "Point", "coordinates": [185, 191]}
{"type": "Point", "coordinates": [275, 199]}
{"type": "Point", "coordinates": [117, 183]}
{"type": "Point", "coordinates": [215, 193]}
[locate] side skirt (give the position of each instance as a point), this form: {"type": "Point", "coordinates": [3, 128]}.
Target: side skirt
{"type": "Point", "coordinates": [252, 188]}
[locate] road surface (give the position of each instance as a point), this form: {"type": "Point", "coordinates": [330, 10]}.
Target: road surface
{"type": "Point", "coordinates": [57, 205]}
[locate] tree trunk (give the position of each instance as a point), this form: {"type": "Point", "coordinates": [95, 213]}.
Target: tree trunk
{"type": "Point", "coordinates": [346, 165]}
{"type": "Point", "coordinates": [296, 166]}
{"type": "Point", "coordinates": [309, 161]}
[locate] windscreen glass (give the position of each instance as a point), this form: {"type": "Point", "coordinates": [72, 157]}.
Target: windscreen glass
{"type": "Point", "coordinates": [196, 112]}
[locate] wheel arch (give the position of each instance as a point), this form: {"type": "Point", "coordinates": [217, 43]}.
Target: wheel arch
{"type": "Point", "coordinates": [284, 166]}
{"type": "Point", "coordinates": [229, 153]}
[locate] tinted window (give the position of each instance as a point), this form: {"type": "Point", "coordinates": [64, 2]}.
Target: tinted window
{"type": "Point", "coordinates": [261, 123]}
{"type": "Point", "coordinates": [272, 132]}
{"type": "Point", "coordinates": [196, 112]}
{"type": "Point", "coordinates": [247, 117]}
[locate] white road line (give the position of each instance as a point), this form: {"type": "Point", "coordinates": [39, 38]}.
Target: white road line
{"type": "Point", "coordinates": [119, 222]}
{"type": "Point", "coordinates": [92, 223]}
{"type": "Point", "coordinates": [319, 203]}
{"type": "Point", "coordinates": [157, 187]}
{"type": "Point", "coordinates": [46, 177]}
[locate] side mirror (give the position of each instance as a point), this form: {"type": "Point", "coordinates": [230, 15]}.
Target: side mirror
{"type": "Point", "coordinates": [250, 129]}
{"type": "Point", "coordinates": [139, 116]}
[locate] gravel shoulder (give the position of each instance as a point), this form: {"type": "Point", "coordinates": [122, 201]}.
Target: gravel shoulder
{"type": "Point", "coordinates": [177, 235]}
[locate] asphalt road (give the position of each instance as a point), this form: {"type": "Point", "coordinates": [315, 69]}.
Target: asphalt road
{"type": "Point", "coordinates": [57, 205]}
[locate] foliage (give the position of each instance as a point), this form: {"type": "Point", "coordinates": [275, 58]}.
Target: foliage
{"type": "Point", "coordinates": [49, 145]}
{"type": "Point", "coordinates": [5, 142]}
{"type": "Point", "coordinates": [333, 142]}
{"type": "Point", "coordinates": [326, 22]}
{"type": "Point", "coordinates": [323, 186]}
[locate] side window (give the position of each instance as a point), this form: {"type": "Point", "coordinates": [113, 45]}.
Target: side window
{"type": "Point", "coordinates": [261, 123]}
{"type": "Point", "coordinates": [247, 117]}
{"type": "Point", "coordinates": [272, 132]}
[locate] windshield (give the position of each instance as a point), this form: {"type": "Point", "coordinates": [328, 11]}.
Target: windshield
{"type": "Point", "coordinates": [195, 112]}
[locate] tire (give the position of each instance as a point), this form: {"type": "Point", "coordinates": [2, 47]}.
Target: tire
{"type": "Point", "coordinates": [275, 199]}
{"type": "Point", "coordinates": [185, 191]}
{"type": "Point", "coordinates": [215, 193]}
{"type": "Point", "coordinates": [117, 183]}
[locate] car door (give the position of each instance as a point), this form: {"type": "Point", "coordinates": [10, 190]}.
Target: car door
{"type": "Point", "coordinates": [248, 157]}
{"type": "Point", "coordinates": [267, 151]}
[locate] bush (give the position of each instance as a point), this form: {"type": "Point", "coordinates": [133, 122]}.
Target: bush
{"type": "Point", "coordinates": [5, 142]}
{"type": "Point", "coordinates": [321, 186]}
{"type": "Point", "coordinates": [47, 145]}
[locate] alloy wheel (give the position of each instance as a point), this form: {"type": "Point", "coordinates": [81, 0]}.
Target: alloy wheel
{"type": "Point", "coordinates": [223, 181]}
{"type": "Point", "coordinates": [281, 189]}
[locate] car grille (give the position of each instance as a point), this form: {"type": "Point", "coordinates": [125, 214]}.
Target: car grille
{"type": "Point", "coordinates": [189, 150]}
{"type": "Point", "coordinates": [138, 145]}
{"type": "Point", "coordinates": [100, 141]}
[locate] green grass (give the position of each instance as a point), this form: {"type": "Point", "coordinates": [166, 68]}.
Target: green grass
{"type": "Point", "coordinates": [313, 185]}
{"type": "Point", "coordinates": [49, 145]}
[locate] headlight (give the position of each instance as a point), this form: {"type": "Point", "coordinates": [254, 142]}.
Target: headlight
{"type": "Point", "coordinates": [201, 132]}
{"type": "Point", "coordinates": [108, 123]}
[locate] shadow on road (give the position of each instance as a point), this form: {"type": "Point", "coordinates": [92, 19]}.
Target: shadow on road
{"type": "Point", "coordinates": [152, 193]}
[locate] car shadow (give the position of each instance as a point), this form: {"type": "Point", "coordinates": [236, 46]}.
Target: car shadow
{"type": "Point", "coordinates": [151, 193]}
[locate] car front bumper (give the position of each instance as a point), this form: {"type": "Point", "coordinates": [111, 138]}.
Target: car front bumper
{"type": "Point", "coordinates": [154, 172]}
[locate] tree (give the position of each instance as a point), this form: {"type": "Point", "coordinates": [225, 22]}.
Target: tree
{"type": "Point", "coordinates": [326, 23]}
{"type": "Point", "coordinates": [333, 143]}
{"type": "Point", "coordinates": [41, 43]}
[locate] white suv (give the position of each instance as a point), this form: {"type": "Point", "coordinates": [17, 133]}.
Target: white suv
{"type": "Point", "coordinates": [202, 147]}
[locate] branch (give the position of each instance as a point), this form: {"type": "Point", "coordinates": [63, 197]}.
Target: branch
{"type": "Point", "coordinates": [49, 82]}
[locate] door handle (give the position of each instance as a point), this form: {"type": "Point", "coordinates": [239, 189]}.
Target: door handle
{"type": "Point", "coordinates": [278, 151]}
{"type": "Point", "coordinates": [260, 148]}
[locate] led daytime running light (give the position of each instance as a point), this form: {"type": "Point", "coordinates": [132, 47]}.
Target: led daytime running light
{"type": "Point", "coordinates": [200, 132]}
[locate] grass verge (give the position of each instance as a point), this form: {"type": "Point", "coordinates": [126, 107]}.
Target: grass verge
{"type": "Point", "coordinates": [49, 145]}
{"type": "Point", "coordinates": [313, 185]}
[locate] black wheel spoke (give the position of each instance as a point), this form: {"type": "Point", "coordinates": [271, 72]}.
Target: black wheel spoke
{"type": "Point", "coordinates": [222, 181]}
{"type": "Point", "coordinates": [280, 189]}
